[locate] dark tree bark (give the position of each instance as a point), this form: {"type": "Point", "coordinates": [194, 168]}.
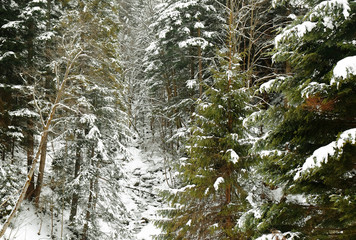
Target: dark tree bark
{"type": "Point", "coordinates": [75, 196]}
{"type": "Point", "coordinates": [30, 152]}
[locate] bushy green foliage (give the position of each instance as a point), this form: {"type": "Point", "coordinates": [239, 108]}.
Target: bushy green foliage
{"type": "Point", "coordinates": [315, 164]}
{"type": "Point", "coordinates": [212, 197]}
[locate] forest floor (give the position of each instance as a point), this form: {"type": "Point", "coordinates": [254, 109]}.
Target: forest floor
{"type": "Point", "coordinates": [140, 195]}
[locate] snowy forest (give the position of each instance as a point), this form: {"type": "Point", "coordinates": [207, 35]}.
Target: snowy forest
{"type": "Point", "coordinates": [177, 119]}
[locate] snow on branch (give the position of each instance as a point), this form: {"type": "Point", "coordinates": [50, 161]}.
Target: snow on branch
{"type": "Point", "coordinates": [313, 88]}
{"type": "Point", "coordinates": [298, 31]}
{"type": "Point", "coordinates": [7, 54]}
{"type": "Point", "coordinates": [321, 155]}
{"type": "Point", "coordinates": [234, 157]}
{"type": "Point", "coordinates": [197, 41]}
{"type": "Point", "coordinates": [343, 69]}
{"type": "Point", "coordinates": [323, 16]}
{"type": "Point", "coordinates": [329, 5]}
{"type": "Point", "coordinates": [218, 181]}
{"type": "Point", "coordinates": [25, 112]}
{"type": "Point", "coordinates": [276, 234]}
{"type": "Point", "coordinates": [12, 24]}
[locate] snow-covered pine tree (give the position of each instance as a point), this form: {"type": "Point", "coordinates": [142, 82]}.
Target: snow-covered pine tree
{"type": "Point", "coordinates": [212, 197]}
{"type": "Point", "coordinates": [187, 34]}
{"type": "Point", "coordinates": [135, 36]}
{"type": "Point", "coordinates": [310, 166]}
{"type": "Point", "coordinates": [26, 32]}
{"type": "Point", "coordinates": [10, 50]}
{"type": "Point", "coordinates": [96, 126]}
{"type": "Point", "coordinates": [10, 132]}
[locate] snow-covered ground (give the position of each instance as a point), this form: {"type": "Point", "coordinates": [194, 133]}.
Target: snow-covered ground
{"type": "Point", "coordinates": [145, 174]}
{"type": "Point", "coordinates": [29, 225]}
{"type": "Point", "coordinates": [145, 177]}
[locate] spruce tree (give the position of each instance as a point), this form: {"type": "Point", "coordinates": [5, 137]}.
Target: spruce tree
{"type": "Point", "coordinates": [309, 166]}
{"type": "Point", "coordinates": [212, 197]}
{"type": "Point", "coordinates": [187, 34]}
{"type": "Point", "coordinates": [95, 130]}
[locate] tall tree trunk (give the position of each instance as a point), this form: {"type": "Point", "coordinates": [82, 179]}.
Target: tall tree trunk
{"type": "Point", "coordinates": [39, 183]}
{"type": "Point", "coordinates": [75, 196]}
{"type": "Point", "coordinates": [90, 205]}
{"type": "Point", "coordinates": [30, 152]}
{"type": "Point", "coordinates": [249, 51]}
{"type": "Point", "coordinates": [30, 125]}
{"type": "Point", "coordinates": [228, 190]}
{"type": "Point", "coordinates": [42, 141]}
{"type": "Point", "coordinates": [200, 65]}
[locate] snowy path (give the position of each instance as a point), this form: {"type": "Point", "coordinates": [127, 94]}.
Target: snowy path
{"type": "Point", "coordinates": [140, 196]}
{"type": "Point", "coordinates": [146, 177]}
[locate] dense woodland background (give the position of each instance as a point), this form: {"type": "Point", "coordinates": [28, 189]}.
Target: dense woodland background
{"type": "Point", "coordinates": [250, 106]}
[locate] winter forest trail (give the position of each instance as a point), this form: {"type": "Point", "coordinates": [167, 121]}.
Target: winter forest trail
{"type": "Point", "coordinates": [177, 119]}
{"type": "Point", "coordinates": [144, 177]}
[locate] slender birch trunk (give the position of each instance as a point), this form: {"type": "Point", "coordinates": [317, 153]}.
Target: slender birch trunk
{"type": "Point", "coordinates": [42, 142]}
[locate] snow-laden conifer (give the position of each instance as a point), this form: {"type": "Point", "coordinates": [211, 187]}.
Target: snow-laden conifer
{"type": "Point", "coordinates": [311, 127]}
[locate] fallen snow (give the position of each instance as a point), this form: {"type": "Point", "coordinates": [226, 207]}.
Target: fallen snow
{"type": "Point", "coordinates": [27, 225]}
{"type": "Point", "coordinates": [142, 167]}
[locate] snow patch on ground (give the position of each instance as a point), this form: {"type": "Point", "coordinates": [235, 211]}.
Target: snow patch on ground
{"type": "Point", "coordinates": [29, 225]}
{"type": "Point", "coordinates": [145, 180]}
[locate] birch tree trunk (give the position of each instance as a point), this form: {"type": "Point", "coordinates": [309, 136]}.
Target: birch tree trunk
{"type": "Point", "coordinates": [43, 140]}
{"type": "Point", "coordinates": [30, 152]}
{"type": "Point", "coordinates": [39, 182]}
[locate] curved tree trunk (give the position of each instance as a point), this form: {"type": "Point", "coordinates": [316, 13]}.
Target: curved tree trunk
{"type": "Point", "coordinates": [42, 143]}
